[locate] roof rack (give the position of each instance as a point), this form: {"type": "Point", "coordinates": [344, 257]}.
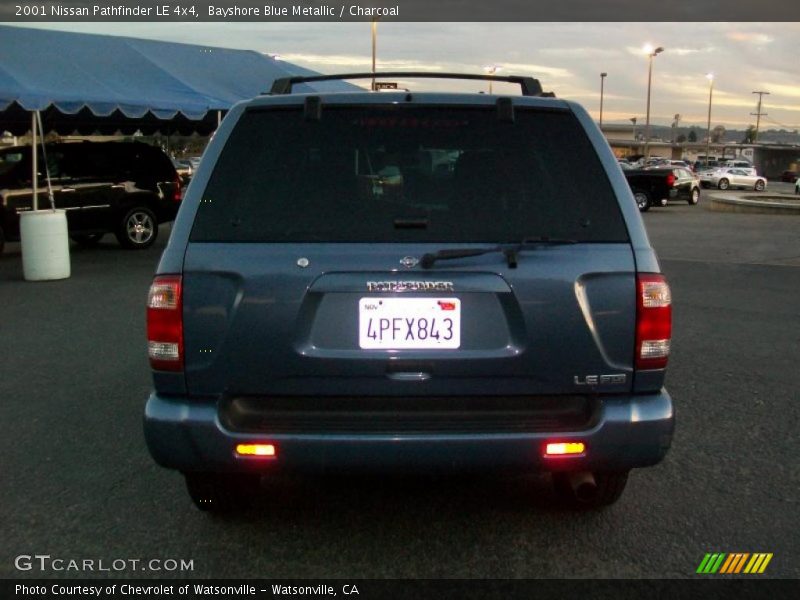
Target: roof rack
{"type": "Point", "coordinates": [529, 85]}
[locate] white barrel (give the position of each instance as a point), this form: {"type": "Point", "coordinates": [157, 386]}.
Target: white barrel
{"type": "Point", "coordinates": [45, 244]}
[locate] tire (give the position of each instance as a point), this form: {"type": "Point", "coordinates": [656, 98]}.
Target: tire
{"type": "Point", "coordinates": [89, 240]}
{"type": "Point", "coordinates": [219, 493]}
{"type": "Point", "coordinates": [760, 185]}
{"type": "Point", "coordinates": [609, 488]}
{"type": "Point", "coordinates": [723, 184]}
{"type": "Point", "coordinates": [138, 229]}
{"type": "Point", "coordinates": [694, 196]}
{"type": "Point", "coordinates": [642, 200]}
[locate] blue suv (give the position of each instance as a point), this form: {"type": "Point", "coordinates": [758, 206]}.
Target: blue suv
{"type": "Point", "coordinates": [408, 280]}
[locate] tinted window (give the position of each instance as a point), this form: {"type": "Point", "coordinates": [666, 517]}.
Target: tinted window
{"type": "Point", "coordinates": [86, 161]}
{"type": "Point", "coordinates": [407, 174]}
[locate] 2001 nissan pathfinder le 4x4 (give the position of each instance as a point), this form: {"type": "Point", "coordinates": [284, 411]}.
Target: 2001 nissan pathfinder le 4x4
{"type": "Point", "coordinates": [408, 279]}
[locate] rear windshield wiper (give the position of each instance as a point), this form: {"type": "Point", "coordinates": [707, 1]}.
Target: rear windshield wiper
{"type": "Point", "coordinates": [509, 251]}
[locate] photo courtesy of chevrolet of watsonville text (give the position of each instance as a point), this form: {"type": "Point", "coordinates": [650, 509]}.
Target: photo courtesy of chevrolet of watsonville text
{"type": "Point", "coordinates": [408, 280]}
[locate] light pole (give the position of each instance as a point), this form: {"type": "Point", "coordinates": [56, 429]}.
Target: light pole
{"type": "Point", "coordinates": [651, 53]}
{"type": "Point", "coordinates": [374, 49]}
{"type": "Point", "coordinates": [602, 80]}
{"type": "Point", "coordinates": [710, 77]}
{"type": "Point", "coordinates": [758, 114]}
{"type": "Point", "coordinates": [633, 120]}
{"type": "Point", "coordinates": [491, 70]}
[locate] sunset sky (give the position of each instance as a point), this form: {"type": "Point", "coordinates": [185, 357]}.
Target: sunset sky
{"type": "Point", "coordinates": [567, 57]}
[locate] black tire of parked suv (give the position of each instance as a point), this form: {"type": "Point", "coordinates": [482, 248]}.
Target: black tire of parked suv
{"type": "Point", "coordinates": [608, 489]}
{"type": "Point", "coordinates": [694, 196]}
{"type": "Point", "coordinates": [87, 240]}
{"type": "Point", "coordinates": [221, 493]}
{"type": "Point", "coordinates": [760, 185]}
{"type": "Point", "coordinates": [642, 200]}
{"type": "Point", "coordinates": [723, 184]}
{"type": "Point", "coordinates": [138, 228]}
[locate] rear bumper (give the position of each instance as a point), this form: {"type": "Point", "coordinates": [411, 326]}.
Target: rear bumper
{"type": "Point", "coordinates": [632, 431]}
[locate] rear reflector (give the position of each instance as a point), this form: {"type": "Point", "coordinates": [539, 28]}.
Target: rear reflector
{"type": "Point", "coordinates": [653, 321]}
{"type": "Point", "coordinates": [261, 450]}
{"type": "Point", "coordinates": [165, 324]}
{"type": "Point", "coordinates": [563, 448]}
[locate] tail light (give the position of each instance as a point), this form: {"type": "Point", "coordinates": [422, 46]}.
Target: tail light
{"type": "Point", "coordinates": [565, 449]}
{"type": "Point", "coordinates": [671, 179]}
{"type": "Point", "coordinates": [165, 323]}
{"type": "Point", "coordinates": [257, 450]}
{"type": "Point", "coordinates": [653, 321]}
{"type": "Point", "coordinates": [177, 189]}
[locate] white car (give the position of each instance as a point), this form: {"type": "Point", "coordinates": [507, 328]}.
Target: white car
{"type": "Point", "coordinates": [740, 164]}
{"type": "Point", "coordinates": [727, 177]}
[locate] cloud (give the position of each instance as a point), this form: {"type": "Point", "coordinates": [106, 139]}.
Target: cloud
{"type": "Point", "coordinates": [779, 89]}
{"type": "Point", "coordinates": [759, 39]}
{"type": "Point", "coordinates": [537, 70]}
{"type": "Point", "coordinates": [319, 61]}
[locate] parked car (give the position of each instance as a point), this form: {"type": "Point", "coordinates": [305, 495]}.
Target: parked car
{"type": "Point", "coordinates": [656, 186]}
{"type": "Point", "coordinates": [728, 177]}
{"type": "Point", "coordinates": [740, 164]}
{"type": "Point", "coordinates": [184, 169]}
{"type": "Point", "coordinates": [502, 313]}
{"type": "Point", "coordinates": [702, 165]}
{"type": "Point", "coordinates": [194, 162]}
{"type": "Point", "coordinates": [789, 176]}
{"type": "Point", "coordinates": [626, 166]}
{"type": "Point", "coordinates": [655, 161]}
{"type": "Point", "coordinates": [123, 188]}
{"type": "Point", "coordinates": [680, 164]}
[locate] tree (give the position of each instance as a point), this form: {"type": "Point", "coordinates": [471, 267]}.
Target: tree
{"type": "Point", "coordinates": [749, 135]}
{"type": "Point", "coordinates": [692, 135]}
{"type": "Point", "coordinates": [681, 138]}
{"type": "Point", "coordinates": [718, 134]}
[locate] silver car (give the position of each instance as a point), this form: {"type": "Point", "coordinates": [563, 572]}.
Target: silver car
{"type": "Point", "coordinates": [727, 177]}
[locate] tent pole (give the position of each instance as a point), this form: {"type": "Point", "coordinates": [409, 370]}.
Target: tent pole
{"type": "Point", "coordinates": [46, 164]}
{"type": "Point", "coordinates": [35, 174]}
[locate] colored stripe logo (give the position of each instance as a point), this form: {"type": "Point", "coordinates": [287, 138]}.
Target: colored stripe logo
{"type": "Point", "coordinates": [734, 563]}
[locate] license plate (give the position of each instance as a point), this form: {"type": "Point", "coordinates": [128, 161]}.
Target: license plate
{"type": "Point", "coordinates": [409, 323]}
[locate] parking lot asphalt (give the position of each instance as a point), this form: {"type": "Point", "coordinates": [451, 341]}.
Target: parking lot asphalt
{"type": "Point", "coordinates": [77, 482]}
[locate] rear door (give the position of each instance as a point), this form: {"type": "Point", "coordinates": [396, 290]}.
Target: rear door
{"type": "Point", "coordinates": [685, 183]}
{"type": "Point", "coordinates": [304, 275]}
{"type": "Point", "coordinates": [87, 185]}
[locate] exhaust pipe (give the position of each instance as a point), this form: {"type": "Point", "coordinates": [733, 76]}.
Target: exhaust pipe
{"type": "Point", "coordinates": [583, 485]}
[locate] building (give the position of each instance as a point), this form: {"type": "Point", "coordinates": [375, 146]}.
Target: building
{"type": "Point", "coordinates": [770, 160]}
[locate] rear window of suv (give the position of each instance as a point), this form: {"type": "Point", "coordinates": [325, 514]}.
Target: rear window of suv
{"type": "Point", "coordinates": [407, 173]}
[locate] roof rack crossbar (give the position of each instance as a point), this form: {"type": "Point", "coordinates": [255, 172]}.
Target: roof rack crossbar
{"type": "Point", "coordinates": [530, 86]}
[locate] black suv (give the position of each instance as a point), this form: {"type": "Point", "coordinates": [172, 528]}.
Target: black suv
{"type": "Point", "coordinates": [125, 188]}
